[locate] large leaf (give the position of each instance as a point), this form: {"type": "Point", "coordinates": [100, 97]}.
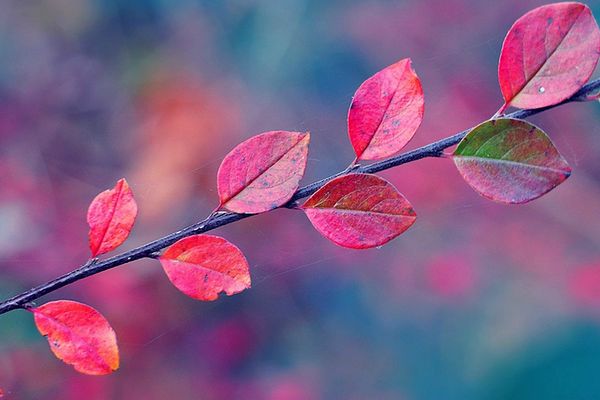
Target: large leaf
{"type": "Point", "coordinates": [359, 211]}
{"type": "Point", "coordinates": [548, 54]}
{"type": "Point", "coordinates": [510, 161]}
{"type": "Point", "coordinates": [385, 112]}
{"type": "Point", "coordinates": [78, 335]}
{"type": "Point", "coordinates": [202, 266]}
{"type": "Point", "coordinates": [263, 172]}
{"type": "Point", "coordinates": [111, 216]}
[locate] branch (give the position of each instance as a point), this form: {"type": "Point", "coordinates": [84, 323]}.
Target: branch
{"type": "Point", "coordinates": [216, 220]}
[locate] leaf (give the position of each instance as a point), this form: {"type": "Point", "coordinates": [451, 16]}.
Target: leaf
{"type": "Point", "coordinates": [79, 336]}
{"type": "Point", "coordinates": [548, 54]}
{"type": "Point", "coordinates": [386, 111]}
{"type": "Point", "coordinates": [202, 266]}
{"type": "Point", "coordinates": [510, 161]}
{"type": "Point", "coordinates": [263, 172]}
{"type": "Point", "coordinates": [111, 216]}
{"type": "Point", "coordinates": [359, 211]}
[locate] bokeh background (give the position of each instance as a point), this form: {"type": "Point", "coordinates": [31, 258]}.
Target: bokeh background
{"type": "Point", "coordinates": [477, 301]}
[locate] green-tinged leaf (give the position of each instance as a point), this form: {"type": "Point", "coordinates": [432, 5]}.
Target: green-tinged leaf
{"type": "Point", "coordinates": [510, 161]}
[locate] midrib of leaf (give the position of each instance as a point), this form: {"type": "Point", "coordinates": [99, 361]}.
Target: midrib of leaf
{"type": "Point", "coordinates": [509, 162]}
{"type": "Point", "coordinates": [352, 211]}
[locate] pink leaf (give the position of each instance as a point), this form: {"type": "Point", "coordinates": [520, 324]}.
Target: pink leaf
{"type": "Point", "coordinates": [79, 336]}
{"type": "Point", "coordinates": [386, 111]}
{"type": "Point", "coordinates": [263, 172]}
{"type": "Point", "coordinates": [111, 216]}
{"type": "Point", "coordinates": [548, 54]}
{"type": "Point", "coordinates": [359, 211]}
{"type": "Point", "coordinates": [202, 266]}
{"type": "Point", "coordinates": [510, 161]}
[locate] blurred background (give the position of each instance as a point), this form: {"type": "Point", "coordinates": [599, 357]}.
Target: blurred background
{"type": "Point", "coordinates": [476, 301]}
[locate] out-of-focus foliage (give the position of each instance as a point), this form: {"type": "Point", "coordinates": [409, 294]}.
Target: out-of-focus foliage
{"type": "Point", "coordinates": [479, 300]}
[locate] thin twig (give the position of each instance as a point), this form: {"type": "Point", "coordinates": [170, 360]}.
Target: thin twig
{"type": "Point", "coordinates": [216, 220]}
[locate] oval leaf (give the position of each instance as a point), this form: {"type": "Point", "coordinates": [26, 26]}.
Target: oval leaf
{"type": "Point", "coordinates": [548, 54]}
{"type": "Point", "coordinates": [263, 172]}
{"type": "Point", "coordinates": [79, 336]}
{"type": "Point", "coordinates": [359, 211]}
{"type": "Point", "coordinates": [202, 266]}
{"type": "Point", "coordinates": [111, 216]}
{"type": "Point", "coordinates": [386, 111]}
{"type": "Point", "coordinates": [510, 161]}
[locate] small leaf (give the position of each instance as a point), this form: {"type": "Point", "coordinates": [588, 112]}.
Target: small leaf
{"type": "Point", "coordinates": [79, 336]}
{"type": "Point", "coordinates": [202, 266]}
{"type": "Point", "coordinates": [386, 111]}
{"type": "Point", "coordinates": [548, 54]}
{"type": "Point", "coordinates": [111, 216]}
{"type": "Point", "coordinates": [359, 211]}
{"type": "Point", "coordinates": [263, 172]}
{"type": "Point", "coordinates": [510, 161]}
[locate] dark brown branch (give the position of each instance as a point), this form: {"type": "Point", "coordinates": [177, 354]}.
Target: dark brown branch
{"type": "Point", "coordinates": [152, 249]}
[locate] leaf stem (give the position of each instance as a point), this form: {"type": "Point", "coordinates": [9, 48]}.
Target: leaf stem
{"type": "Point", "coordinates": [220, 218]}
{"type": "Point", "coordinates": [500, 112]}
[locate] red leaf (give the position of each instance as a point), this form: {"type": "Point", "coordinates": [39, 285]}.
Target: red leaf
{"type": "Point", "coordinates": [510, 161]}
{"type": "Point", "coordinates": [202, 266]}
{"type": "Point", "coordinates": [79, 336]}
{"type": "Point", "coordinates": [359, 211]}
{"type": "Point", "coordinates": [111, 216]}
{"type": "Point", "coordinates": [263, 172]}
{"type": "Point", "coordinates": [548, 54]}
{"type": "Point", "coordinates": [386, 111]}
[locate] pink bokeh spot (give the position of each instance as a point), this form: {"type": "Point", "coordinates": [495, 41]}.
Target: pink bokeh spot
{"type": "Point", "coordinates": [584, 287]}
{"type": "Point", "coordinates": [451, 276]}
